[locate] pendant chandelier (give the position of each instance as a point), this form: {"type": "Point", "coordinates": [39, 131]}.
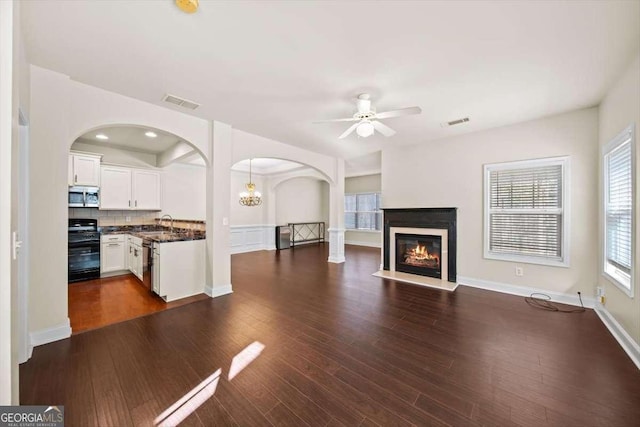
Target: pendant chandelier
{"type": "Point", "coordinates": [251, 197]}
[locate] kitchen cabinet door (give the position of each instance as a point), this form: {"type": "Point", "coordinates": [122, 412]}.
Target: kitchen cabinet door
{"type": "Point", "coordinates": [146, 190]}
{"type": "Point", "coordinates": [115, 192]}
{"type": "Point", "coordinates": [86, 170]}
{"type": "Point", "coordinates": [156, 273]}
{"type": "Point", "coordinates": [129, 255]}
{"type": "Point", "coordinates": [112, 257]}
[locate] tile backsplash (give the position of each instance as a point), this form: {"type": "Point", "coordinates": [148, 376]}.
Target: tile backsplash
{"type": "Point", "coordinates": [106, 218]}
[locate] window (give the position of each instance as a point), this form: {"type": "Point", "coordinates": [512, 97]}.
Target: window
{"type": "Point", "coordinates": [362, 211]}
{"type": "Point", "coordinates": [618, 209]}
{"type": "Point", "coordinates": [526, 211]}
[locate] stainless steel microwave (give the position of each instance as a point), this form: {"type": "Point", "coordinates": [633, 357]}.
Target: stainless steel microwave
{"type": "Point", "coordinates": [84, 197]}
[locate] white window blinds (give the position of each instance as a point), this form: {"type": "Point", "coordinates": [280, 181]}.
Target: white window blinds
{"type": "Point", "coordinates": [619, 209]}
{"type": "Point", "coordinates": [525, 210]}
{"type": "Point", "coordinates": [362, 211]}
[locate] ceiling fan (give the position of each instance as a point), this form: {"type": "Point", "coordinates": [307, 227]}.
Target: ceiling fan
{"type": "Point", "coordinates": [367, 118]}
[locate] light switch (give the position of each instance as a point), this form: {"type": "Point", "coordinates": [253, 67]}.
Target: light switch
{"type": "Point", "coordinates": [225, 221]}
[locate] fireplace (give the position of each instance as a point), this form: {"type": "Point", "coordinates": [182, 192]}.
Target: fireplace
{"type": "Point", "coordinates": [419, 254]}
{"type": "Point", "coordinates": [433, 229]}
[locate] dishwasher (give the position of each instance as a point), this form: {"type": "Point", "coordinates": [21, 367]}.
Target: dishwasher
{"type": "Point", "coordinates": [147, 264]}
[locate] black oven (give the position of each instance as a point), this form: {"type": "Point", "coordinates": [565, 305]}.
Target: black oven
{"type": "Point", "coordinates": [84, 249]}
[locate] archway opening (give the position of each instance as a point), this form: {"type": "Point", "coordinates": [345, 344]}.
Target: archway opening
{"type": "Point", "coordinates": [130, 187]}
{"type": "Point", "coordinates": [291, 193]}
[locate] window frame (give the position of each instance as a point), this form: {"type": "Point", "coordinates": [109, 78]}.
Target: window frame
{"type": "Point", "coordinates": [378, 195]}
{"type": "Point", "coordinates": [611, 146]}
{"type": "Point", "coordinates": [565, 163]}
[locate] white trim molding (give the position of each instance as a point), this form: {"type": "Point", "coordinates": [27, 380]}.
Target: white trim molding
{"type": "Point", "coordinates": [55, 333]}
{"type": "Point", "coordinates": [621, 279]}
{"type": "Point", "coordinates": [359, 243]}
{"type": "Point", "coordinates": [525, 291]}
{"type": "Point", "coordinates": [218, 291]}
{"type": "Point", "coordinates": [624, 339]}
{"type": "Point", "coordinates": [249, 238]}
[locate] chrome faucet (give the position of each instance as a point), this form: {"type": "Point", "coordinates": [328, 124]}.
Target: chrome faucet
{"type": "Point", "coordinates": [162, 217]}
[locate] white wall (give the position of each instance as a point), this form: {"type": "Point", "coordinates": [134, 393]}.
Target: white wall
{"type": "Point", "coordinates": [364, 184]}
{"type": "Point", "coordinates": [243, 215]}
{"type": "Point", "coordinates": [452, 172]}
{"type": "Point", "coordinates": [184, 192]}
{"type": "Point", "coordinates": [61, 110]}
{"type": "Point", "coordinates": [118, 156]}
{"type": "Point", "coordinates": [14, 94]}
{"type": "Point", "coordinates": [302, 200]}
{"type": "Point", "coordinates": [619, 109]}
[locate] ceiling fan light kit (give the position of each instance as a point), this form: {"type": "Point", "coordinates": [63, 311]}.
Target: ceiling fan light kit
{"type": "Point", "coordinates": [365, 129]}
{"type": "Point", "coordinates": [368, 120]}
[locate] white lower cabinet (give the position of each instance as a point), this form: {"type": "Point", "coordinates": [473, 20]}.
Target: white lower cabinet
{"type": "Point", "coordinates": [155, 274]}
{"type": "Point", "coordinates": [134, 256]}
{"type": "Point", "coordinates": [112, 253]}
{"type": "Point", "coordinates": [179, 269]}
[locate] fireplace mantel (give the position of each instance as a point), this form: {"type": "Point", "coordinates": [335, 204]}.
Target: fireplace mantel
{"type": "Point", "coordinates": [442, 218]}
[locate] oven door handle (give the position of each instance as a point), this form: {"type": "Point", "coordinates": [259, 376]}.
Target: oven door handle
{"type": "Point", "coordinates": [80, 245]}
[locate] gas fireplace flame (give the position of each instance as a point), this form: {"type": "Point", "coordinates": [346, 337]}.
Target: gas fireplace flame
{"type": "Point", "coordinates": [421, 257]}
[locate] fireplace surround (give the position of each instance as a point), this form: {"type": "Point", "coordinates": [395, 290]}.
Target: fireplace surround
{"type": "Point", "coordinates": [421, 221]}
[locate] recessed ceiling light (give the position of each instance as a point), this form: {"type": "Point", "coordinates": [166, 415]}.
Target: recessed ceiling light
{"type": "Point", "coordinates": [151, 134]}
{"type": "Point", "coordinates": [102, 136]}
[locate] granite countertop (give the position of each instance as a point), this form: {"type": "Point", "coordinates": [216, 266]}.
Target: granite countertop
{"type": "Point", "coordinates": [160, 234]}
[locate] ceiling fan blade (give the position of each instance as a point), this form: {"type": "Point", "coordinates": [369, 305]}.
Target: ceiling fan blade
{"type": "Point", "coordinates": [398, 113]}
{"type": "Point", "coordinates": [350, 119]}
{"type": "Point", "coordinates": [382, 128]}
{"type": "Point", "coordinates": [348, 131]}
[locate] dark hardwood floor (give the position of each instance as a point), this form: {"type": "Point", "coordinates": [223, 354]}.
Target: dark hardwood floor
{"type": "Point", "coordinates": [101, 302]}
{"type": "Point", "coordinates": [341, 348]}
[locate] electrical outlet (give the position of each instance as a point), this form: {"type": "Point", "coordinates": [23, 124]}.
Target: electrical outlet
{"type": "Point", "coordinates": [127, 219]}
{"type": "Point", "coordinates": [519, 271]}
{"type": "Point", "coordinates": [599, 291]}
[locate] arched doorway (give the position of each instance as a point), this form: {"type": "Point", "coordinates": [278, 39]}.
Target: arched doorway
{"type": "Point", "coordinates": [137, 183]}
{"type": "Point", "coordinates": [293, 192]}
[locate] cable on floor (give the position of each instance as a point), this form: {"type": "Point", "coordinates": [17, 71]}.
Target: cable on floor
{"type": "Point", "coordinates": [543, 302]}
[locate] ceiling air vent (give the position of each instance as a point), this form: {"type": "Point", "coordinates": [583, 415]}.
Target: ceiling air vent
{"type": "Point", "coordinates": [455, 122]}
{"type": "Point", "coordinates": [175, 100]}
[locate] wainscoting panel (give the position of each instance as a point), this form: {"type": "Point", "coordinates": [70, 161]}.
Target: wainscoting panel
{"type": "Point", "coordinates": [249, 238]}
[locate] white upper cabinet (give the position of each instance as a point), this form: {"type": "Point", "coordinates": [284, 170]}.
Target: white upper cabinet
{"type": "Point", "coordinates": [84, 169]}
{"type": "Point", "coordinates": [115, 192]}
{"type": "Point", "coordinates": [125, 188]}
{"type": "Point", "coordinates": [146, 190]}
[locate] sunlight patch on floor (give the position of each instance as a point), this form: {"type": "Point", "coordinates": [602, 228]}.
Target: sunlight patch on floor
{"type": "Point", "coordinates": [188, 403]}
{"type": "Point", "coordinates": [244, 358]}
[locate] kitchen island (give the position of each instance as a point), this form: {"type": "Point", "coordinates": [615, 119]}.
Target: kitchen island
{"type": "Point", "coordinates": [172, 264]}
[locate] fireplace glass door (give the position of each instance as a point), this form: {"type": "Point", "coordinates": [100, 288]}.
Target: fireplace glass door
{"type": "Point", "coordinates": [419, 254]}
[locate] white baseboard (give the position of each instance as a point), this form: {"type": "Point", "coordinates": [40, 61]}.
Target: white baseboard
{"type": "Point", "coordinates": [218, 291]}
{"type": "Point", "coordinates": [48, 335]}
{"type": "Point", "coordinates": [358, 243]}
{"type": "Point", "coordinates": [525, 291]}
{"type": "Point", "coordinates": [627, 343]}
{"type": "Point", "coordinates": [336, 260]}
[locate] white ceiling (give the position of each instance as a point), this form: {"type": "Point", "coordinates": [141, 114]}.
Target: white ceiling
{"type": "Point", "coordinates": [131, 138]}
{"type": "Point", "coordinates": [273, 67]}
